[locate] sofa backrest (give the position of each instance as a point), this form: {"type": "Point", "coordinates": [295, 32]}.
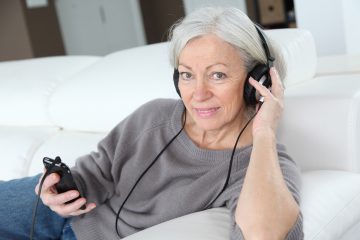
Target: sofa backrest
{"type": "Point", "coordinates": [98, 97]}
{"type": "Point", "coordinates": [26, 86]}
{"type": "Point", "coordinates": [321, 123]}
{"type": "Point", "coordinates": [85, 97]}
{"type": "Point", "coordinates": [297, 46]}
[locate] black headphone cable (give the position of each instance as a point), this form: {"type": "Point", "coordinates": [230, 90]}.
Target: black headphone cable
{"type": "Point", "coordinates": [142, 175]}
{"type": "Point", "coordinates": [32, 231]}
{"type": "Point", "coordinates": [167, 145]}
{"type": "Point", "coordinates": [232, 158]}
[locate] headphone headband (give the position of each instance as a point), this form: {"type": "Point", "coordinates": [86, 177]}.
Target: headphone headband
{"type": "Point", "coordinates": [269, 58]}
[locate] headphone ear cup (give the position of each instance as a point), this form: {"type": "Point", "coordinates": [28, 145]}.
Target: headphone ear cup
{"type": "Point", "coordinates": [261, 74]}
{"type": "Point", "coordinates": [176, 76]}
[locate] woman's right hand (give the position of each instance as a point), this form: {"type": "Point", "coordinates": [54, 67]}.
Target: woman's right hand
{"type": "Point", "coordinates": [56, 201]}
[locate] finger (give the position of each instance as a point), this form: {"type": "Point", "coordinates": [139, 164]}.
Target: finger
{"type": "Point", "coordinates": [54, 199]}
{"type": "Point", "coordinates": [73, 209]}
{"type": "Point", "coordinates": [68, 208]}
{"type": "Point", "coordinates": [89, 207]}
{"type": "Point", "coordinates": [38, 184]}
{"type": "Point", "coordinates": [260, 88]}
{"type": "Point", "coordinates": [50, 181]}
{"type": "Point", "coordinates": [47, 182]}
{"type": "Point", "coordinates": [277, 87]}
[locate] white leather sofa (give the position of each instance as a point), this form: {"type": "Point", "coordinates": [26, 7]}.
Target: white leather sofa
{"type": "Point", "coordinates": [62, 106]}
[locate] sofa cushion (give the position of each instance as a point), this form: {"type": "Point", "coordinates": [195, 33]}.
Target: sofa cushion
{"type": "Point", "coordinates": [27, 84]}
{"type": "Point", "coordinates": [18, 145]}
{"type": "Point", "coordinates": [99, 97]}
{"type": "Point", "coordinates": [330, 202]}
{"type": "Point", "coordinates": [211, 224]}
{"type": "Point", "coordinates": [69, 145]}
{"type": "Point", "coordinates": [353, 233]}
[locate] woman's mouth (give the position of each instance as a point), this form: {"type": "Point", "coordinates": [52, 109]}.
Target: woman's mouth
{"type": "Point", "coordinates": [206, 112]}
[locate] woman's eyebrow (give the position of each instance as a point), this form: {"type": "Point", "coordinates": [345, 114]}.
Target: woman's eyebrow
{"type": "Point", "coordinates": [184, 65]}
{"type": "Point", "coordinates": [219, 63]}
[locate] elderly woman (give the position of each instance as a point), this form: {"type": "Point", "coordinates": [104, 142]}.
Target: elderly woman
{"type": "Point", "coordinates": [214, 147]}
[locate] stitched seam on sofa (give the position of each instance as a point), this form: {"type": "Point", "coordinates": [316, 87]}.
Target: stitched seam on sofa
{"type": "Point", "coordinates": [35, 146]}
{"type": "Point", "coordinates": [48, 95]}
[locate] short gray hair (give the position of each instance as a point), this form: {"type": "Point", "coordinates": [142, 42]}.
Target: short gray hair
{"type": "Point", "coordinates": [229, 24]}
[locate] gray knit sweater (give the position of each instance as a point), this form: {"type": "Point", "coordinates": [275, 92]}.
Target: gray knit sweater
{"type": "Point", "coordinates": [185, 179]}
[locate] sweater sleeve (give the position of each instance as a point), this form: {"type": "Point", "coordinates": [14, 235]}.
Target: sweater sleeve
{"type": "Point", "coordinates": [93, 172]}
{"type": "Point", "coordinates": [291, 174]}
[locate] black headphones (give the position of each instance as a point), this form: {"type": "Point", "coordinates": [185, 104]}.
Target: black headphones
{"type": "Point", "coordinates": [260, 73]}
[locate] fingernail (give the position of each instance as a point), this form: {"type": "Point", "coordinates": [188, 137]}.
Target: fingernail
{"type": "Point", "coordinates": [74, 194]}
{"type": "Point", "coordinates": [274, 70]}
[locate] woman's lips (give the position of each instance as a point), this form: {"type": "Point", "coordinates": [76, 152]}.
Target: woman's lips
{"type": "Point", "coordinates": [206, 112]}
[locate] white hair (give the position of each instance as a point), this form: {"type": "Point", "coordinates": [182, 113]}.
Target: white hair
{"type": "Point", "coordinates": [229, 24]}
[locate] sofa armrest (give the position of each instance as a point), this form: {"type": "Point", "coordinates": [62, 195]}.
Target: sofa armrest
{"type": "Point", "coordinates": [338, 65]}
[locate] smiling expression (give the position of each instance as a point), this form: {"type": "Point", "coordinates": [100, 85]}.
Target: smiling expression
{"type": "Point", "coordinates": [211, 83]}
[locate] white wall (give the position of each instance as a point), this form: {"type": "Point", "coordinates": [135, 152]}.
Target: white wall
{"type": "Point", "coordinates": [191, 5]}
{"type": "Point", "coordinates": [352, 26]}
{"type": "Point", "coordinates": [99, 27]}
{"type": "Point", "coordinates": [334, 24]}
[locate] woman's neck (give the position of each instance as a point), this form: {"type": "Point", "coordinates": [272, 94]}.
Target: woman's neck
{"type": "Point", "coordinates": [219, 139]}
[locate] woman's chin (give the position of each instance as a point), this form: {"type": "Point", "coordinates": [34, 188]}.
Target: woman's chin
{"type": "Point", "coordinates": [207, 124]}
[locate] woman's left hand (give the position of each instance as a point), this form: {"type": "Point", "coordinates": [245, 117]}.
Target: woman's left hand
{"type": "Point", "coordinates": [269, 115]}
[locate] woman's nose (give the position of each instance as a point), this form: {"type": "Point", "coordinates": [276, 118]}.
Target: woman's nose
{"type": "Point", "coordinates": [201, 91]}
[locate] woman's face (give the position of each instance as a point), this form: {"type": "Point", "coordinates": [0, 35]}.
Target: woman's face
{"type": "Point", "coordinates": [211, 83]}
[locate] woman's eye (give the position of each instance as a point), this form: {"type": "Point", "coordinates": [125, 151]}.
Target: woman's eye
{"type": "Point", "coordinates": [186, 75]}
{"type": "Point", "coordinates": [218, 75]}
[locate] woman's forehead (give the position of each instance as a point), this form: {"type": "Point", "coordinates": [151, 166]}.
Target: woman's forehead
{"type": "Point", "coordinates": [207, 48]}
